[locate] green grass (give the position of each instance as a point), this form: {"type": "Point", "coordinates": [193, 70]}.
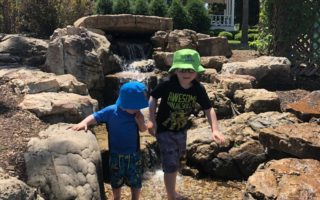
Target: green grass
{"type": "Point", "coordinates": [231, 42]}
{"type": "Point", "coordinates": [236, 44]}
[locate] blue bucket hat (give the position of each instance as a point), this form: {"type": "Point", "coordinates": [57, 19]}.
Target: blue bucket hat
{"type": "Point", "coordinates": [133, 96]}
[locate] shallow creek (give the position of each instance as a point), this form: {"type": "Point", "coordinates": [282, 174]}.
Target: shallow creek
{"type": "Point", "coordinates": [203, 189]}
{"type": "Point", "coordinates": [191, 188]}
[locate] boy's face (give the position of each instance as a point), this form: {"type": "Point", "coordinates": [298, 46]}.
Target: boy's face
{"type": "Point", "coordinates": [186, 75]}
{"type": "Point", "coordinates": [131, 111]}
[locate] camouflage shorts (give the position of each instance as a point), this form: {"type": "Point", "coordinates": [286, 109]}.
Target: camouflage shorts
{"type": "Point", "coordinates": [125, 169]}
{"type": "Point", "coordinates": [172, 148]}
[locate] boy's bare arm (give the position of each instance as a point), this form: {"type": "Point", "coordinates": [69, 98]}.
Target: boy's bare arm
{"type": "Point", "coordinates": [140, 121]}
{"type": "Point", "coordinates": [152, 115]}
{"type": "Point", "coordinates": [212, 119]}
{"type": "Point", "coordinates": [83, 125]}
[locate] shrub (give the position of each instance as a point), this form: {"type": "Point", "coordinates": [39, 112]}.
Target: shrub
{"type": "Point", "coordinates": [226, 34]}
{"type": "Point", "coordinates": [104, 7]}
{"type": "Point", "coordinates": [158, 8]}
{"type": "Point", "coordinates": [179, 15]}
{"type": "Point", "coordinates": [253, 30]}
{"type": "Point", "coordinates": [122, 7]}
{"type": "Point", "coordinates": [141, 7]}
{"type": "Point", "coordinates": [252, 36]}
{"type": "Point", "coordinates": [199, 18]}
{"type": "Point", "coordinates": [238, 36]}
{"type": "Point", "coordinates": [216, 32]}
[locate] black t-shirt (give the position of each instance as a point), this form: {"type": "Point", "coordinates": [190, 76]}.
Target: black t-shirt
{"type": "Point", "coordinates": [178, 103]}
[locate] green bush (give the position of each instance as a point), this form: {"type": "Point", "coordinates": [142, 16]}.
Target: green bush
{"type": "Point", "coordinates": [261, 44]}
{"type": "Point", "coordinates": [158, 8]}
{"type": "Point", "coordinates": [199, 18]}
{"type": "Point", "coordinates": [238, 36]}
{"type": "Point", "coordinates": [122, 7]}
{"type": "Point", "coordinates": [104, 6]}
{"type": "Point", "coordinates": [179, 15]}
{"type": "Point", "coordinates": [251, 36]}
{"type": "Point", "coordinates": [216, 32]}
{"type": "Point", "coordinates": [253, 30]}
{"type": "Point", "coordinates": [141, 7]}
{"type": "Point", "coordinates": [226, 34]}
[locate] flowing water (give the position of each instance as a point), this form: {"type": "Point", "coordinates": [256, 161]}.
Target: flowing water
{"type": "Point", "coordinates": [190, 188]}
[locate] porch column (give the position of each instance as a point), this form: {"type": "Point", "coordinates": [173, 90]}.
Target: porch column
{"type": "Point", "coordinates": [232, 13]}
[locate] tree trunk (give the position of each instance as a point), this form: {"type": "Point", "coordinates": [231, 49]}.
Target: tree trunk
{"type": "Point", "coordinates": [245, 22]}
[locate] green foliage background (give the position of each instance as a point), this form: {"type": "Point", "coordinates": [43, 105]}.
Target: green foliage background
{"type": "Point", "coordinates": [284, 22]}
{"type": "Point", "coordinates": [41, 17]}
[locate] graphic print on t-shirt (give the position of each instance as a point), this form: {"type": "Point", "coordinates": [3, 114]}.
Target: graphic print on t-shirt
{"type": "Point", "coordinates": [181, 105]}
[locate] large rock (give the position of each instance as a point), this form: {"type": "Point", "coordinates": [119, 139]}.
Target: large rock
{"type": "Point", "coordinates": [65, 164]}
{"type": "Point", "coordinates": [82, 53]}
{"type": "Point", "coordinates": [214, 46]}
{"type": "Point", "coordinates": [285, 179]}
{"type": "Point", "coordinates": [270, 72]}
{"type": "Point", "coordinates": [32, 81]}
{"type": "Point", "coordinates": [13, 189]}
{"type": "Point", "coordinates": [125, 23]}
{"type": "Point", "coordinates": [307, 107]}
{"type": "Point", "coordinates": [59, 107]}
{"type": "Point", "coordinates": [257, 100]}
{"type": "Point", "coordinates": [181, 39]}
{"type": "Point", "coordinates": [214, 62]}
{"type": "Point", "coordinates": [163, 60]}
{"type": "Point", "coordinates": [300, 140]}
{"type": "Point", "coordinates": [242, 149]}
{"type": "Point", "coordinates": [22, 50]}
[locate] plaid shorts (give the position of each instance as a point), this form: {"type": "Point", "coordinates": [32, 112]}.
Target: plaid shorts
{"type": "Point", "coordinates": [172, 149]}
{"type": "Point", "coordinates": [125, 169]}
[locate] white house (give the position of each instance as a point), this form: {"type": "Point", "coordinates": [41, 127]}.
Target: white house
{"type": "Point", "coordinates": [224, 19]}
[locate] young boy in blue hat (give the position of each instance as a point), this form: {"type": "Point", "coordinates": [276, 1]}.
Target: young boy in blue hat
{"type": "Point", "coordinates": [124, 121]}
{"type": "Point", "coordinates": [179, 96]}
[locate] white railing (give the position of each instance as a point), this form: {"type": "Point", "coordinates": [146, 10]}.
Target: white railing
{"type": "Point", "coordinates": [221, 20]}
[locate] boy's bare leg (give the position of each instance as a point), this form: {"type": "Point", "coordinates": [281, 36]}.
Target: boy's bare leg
{"type": "Point", "coordinates": [170, 183]}
{"type": "Point", "coordinates": [135, 193]}
{"type": "Point", "coordinates": [116, 193]}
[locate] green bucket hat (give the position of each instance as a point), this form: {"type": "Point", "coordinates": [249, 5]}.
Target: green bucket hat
{"type": "Point", "coordinates": [187, 59]}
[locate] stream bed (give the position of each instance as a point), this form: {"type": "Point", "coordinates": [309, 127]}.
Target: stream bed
{"type": "Point", "coordinates": [190, 188]}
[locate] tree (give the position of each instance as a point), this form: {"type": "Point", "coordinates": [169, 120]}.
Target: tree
{"type": "Point", "coordinates": [122, 7]}
{"type": "Point", "coordinates": [104, 6]}
{"type": "Point", "coordinates": [245, 23]}
{"type": "Point", "coordinates": [71, 10]}
{"type": "Point", "coordinates": [199, 18]}
{"type": "Point", "coordinates": [141, 7]}
{"type": "Point", "coordinates": [42, 20]}
{"type": "Point", "coordinates": [158, 8]}
{"type": "Point", "coordinates": [9, 16]}
{"type": "Point", "coordinates": [179, 15]}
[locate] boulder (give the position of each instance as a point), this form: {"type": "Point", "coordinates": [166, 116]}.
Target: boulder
{"type": "Point", "coordinates": [285, 179]}
{"type": "Point", "coordinates": [214, 46]}
{"type": "Point", "coordinates": [300, 140]}
{"type": "Point", "coordinates": [125, 23]}
{"type": "Point", "coordinates": [59, 107]}
{"type": "Point", "coordinates": [270, 72]}
{"type": "Point", "coordinates": [65, 164]}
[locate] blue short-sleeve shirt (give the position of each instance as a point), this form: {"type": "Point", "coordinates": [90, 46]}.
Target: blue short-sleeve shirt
{"type": "Point", "coordinates": [122, 128]}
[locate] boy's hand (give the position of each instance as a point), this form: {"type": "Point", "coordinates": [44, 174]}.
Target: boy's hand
{"type": "Point", "coordinates": [80, 126]}
{"type": "Point", "coordinates": [151, 128]}
{"type": "Point", "coordinates": [218, 137]}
